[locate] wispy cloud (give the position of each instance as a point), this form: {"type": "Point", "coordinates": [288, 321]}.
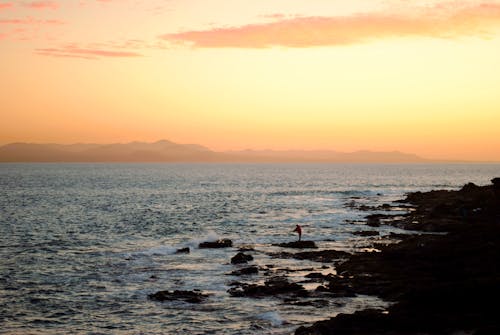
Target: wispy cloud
{"type": "Point", "coordinates": [444, 21]}
{"type": "Point", "coordinates": [30, 21]}
{"type": "Point", "coordinates": [88, 53]}
{"type": "Point", "coordinates": [42, 5]}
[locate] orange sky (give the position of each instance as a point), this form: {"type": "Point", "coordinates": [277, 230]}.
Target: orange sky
{"type": "Point", "coordinates": [414, 76]}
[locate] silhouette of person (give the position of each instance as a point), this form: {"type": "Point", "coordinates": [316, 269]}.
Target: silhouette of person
{"type": "Point", "coordinates": [298, 229]}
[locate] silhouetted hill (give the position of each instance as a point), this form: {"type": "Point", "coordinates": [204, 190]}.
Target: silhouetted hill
{"type": "Point", "coordinates": [161, 151]}
{"type": "Point", "coordinates": [167, 151]}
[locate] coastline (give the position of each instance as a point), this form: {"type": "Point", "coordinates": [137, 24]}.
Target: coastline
{"type": "Point", "coordinates": [443, 282]}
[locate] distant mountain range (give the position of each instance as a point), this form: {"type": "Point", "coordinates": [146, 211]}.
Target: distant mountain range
{"type": "Point", "coordinates": [166, 151]}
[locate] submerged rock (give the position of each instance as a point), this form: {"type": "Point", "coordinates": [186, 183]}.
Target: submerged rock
{"type": "Point", "coordinates": [373, 220]}
{"type": "Point", "coordinates": [366, 233]}
{"type": "Point", "coordinates": [187, 296]}
{"type": "Point", "coordinates": [223, 243]}
{"type": "Point", "coordinates": [246, 271]}
{"type": "Point", "coordinates": [298, 245]}
{"type": "Point", "coordinates": [318, 275]}
{"type": "Point", "coordinates": [273, 286]}
{"type": "Point", "coordinates": [182, 250]}
{"type": "Point", "coordinates": [240, 258]}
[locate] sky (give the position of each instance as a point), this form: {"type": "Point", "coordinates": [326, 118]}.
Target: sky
{"type": "Point", "coordinates": [420, 77]}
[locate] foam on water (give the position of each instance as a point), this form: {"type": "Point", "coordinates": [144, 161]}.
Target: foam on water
{"type": "Point", "coordinates": [274, 318]}
{"type": "Point", "coordinates": [156, 251]}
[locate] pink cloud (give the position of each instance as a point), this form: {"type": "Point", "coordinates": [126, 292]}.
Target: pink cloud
{"type": "Point", "coordinates": [6, 5]}
{"type": "Point", "coordinates": [89, 53]}
{"type": "Point", "coordinates": [300, 32]}
{"type": "Point", "coordinates": [29, 21]}
{"type": "Point", "coordinates": [42, 5]}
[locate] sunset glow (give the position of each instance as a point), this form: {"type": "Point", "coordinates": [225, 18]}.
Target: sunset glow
{"type": "Point", "coordinates": [415, 76]}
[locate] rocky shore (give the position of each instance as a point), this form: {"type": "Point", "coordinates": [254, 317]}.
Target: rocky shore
{"type": "Point", "coordinates": [446, 281]}
{"type": "Point", "coordinates": [442, 276]}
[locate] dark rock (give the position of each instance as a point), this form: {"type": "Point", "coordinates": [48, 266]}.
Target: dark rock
{"type": "Point", "coordinates": [321, 288]}
{"type": "Point", "coordinates": [469, 187]}
{"type": "Point", "coordinates": [298, 245]}
{"type": "Point", "coordinates": [496, 187]}
{"type": "Point", "coordinates": [324, 256]}
{"type": "Point", "coordinates": [342, 286]}
{"type": "Point", "coordinates": [182, 250]}
{"type": "Point", "coordinates": [224, 243]}
{"type": "Point", "coordinates": [187, 296]}
{"type": "Point", "coordinates": [373, 220]}
{"type": "Point", "coordinates": [246, 271]}
{"type": "Point", "coordinates": [366, 233]}
{"type": "Point", "coordinates": [240, 258]}
{"type": "Point", "coordinates": [315, 275]}
{"type": "Point", "coordinates": [273, 286]}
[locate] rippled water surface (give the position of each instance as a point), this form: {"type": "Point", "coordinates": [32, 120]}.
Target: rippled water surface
{"type": "Point", "coordinates": [82, 245]}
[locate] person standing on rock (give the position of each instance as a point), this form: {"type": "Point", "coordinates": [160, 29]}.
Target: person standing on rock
{"type": "Point", "coordinates": [298, 229]}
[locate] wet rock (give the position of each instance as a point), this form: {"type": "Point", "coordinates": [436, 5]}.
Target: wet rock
{"type": "Point", "coordinates": [321, 288]}
{"type": "Point", "coordinates": [324, 256]}
{"type": "Point", "coordinates": [298, 245]}
{"type": "Point", "coordinates": [350, 204]}
{"type": "Point", "coordinates": [366, 233]}
{"type": "Point", "coordinates": [273, 286]}
{"type": "Point", "coordinates": [240, 258]}
{"type": "Point", "coordinates": [246, 271]}
{"type": "Point", "coordinates": [194, 297]}
{"type": "Point", "coordinates": [469, 187]}
{"type": "Point", "coordinates": [373, 322]}
{"type": "Point", "coordinates": [340, 287]}
{"type": "Point", "coordinates": [182, 250]}
{"type": "Point", "coordinates": [223, 243]}
{"type": "Point", "coordinates": [288, 270]}
{"type": "Point", "coordinates": [373, 220]}
{"type": "Point", "coordinates": [318, 275]}
{"type": "Point", "coordinates": [496, 187]}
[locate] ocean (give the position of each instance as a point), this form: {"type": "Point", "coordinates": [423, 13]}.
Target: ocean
{"type": "Point", "coordinates": [83, 245]}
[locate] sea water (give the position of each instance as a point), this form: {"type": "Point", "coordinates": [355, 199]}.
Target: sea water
{"type": "Point", "coordinates": [82, 245]}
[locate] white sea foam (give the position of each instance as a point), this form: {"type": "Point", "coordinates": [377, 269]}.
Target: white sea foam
{"type": "Point", "coordinates": [207, 236]}
{"type": "Point", "coordinates": [273, 317]}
